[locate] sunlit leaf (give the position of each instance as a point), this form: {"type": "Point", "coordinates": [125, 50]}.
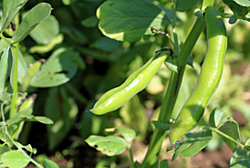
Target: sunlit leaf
{"type": "Point", "coordinates": [46, 30]}
{"type": "Point", "coordinates": [110, 145]}
{"type": "Point", "coordinates": [37, 14]}
{"type": "Point", "coordinates": [15, 159]}
{"type": "Point", "coordinates": [129, 20]}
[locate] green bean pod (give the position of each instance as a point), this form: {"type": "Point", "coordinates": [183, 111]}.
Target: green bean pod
{"type": "Point", "coordinates": [209, 78]}
{"type": "Point", "coordinates": [136, 82]}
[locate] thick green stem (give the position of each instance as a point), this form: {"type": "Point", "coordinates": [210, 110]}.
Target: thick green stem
{"type": "Point", "coordinates": [13, 109]}
{"type": "Point", "coordinates": [171, 94]}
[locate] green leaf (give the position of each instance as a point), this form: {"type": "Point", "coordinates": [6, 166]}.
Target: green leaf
{"type": "Point", "coordinates": [110, 145]}
{"type": "Point", "coordinates": [27, 147]}
{"type": "Point", "coordinates": [41, 119]}
{"type": "Point", "coordinates": [217, 118]}
{"type": "Point", "coordinates": [46, 30]}
{"type": "Point", "coordinates": [62, 109]}
{"type": "Point", "coordinates": [90, 21]}
{"type": "Point", "coordinates": [106, 44]}
{"type": "Point", "coordinates": [226, 125]}
{"type": "Point", "coordinates": [193, 143]}
{"type": "Point", "coordinates": [15, 159]}
{"type": "Point", "coordinates": [10, 9]}
{"type": "Point", "coordinates": [162, 126]}
{"type": "Point", "coordinates": [183, 5]}
{"type": "Point", "coordinates": [240, 159]}
{"type": "Point", "coordinates": [49, 164]}
{"type": "Point", "coordinates": [58, 69]}
{"type": "Point", "coordinates": [243, 2]}
{"type": "Point", "coordinates": [74, 34]}
{"type": "Point", "coordinates": [31, 72]}
{"type": "Point", "coordinates": [127, 133]}
{"type": "Point", "coordinates": [4, 68]}
{"type": "Point", "coordinates": [37, 14]}
{"type": "Point", "coordinates": [129, 20]}
{"type": "Point", "coordinates": [238, 10]}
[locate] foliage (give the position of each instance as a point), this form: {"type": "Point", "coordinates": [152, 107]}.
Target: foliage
{"type": "Point", "coordinates": [55, 64]}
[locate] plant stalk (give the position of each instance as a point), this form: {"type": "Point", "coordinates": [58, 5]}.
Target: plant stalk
{"type": "Point", "coordinates": [13, 109]}
{"type": "Point", "coordinates": [171, 95]}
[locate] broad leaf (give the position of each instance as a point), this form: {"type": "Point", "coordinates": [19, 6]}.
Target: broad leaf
{"type": "Point", "coordinates": [14, 159]}
{"type": "Point", "coordinates": [58, 69]}
{"type": "Point", "coordinates": [110, 145]}
{"type": "Point", "coordinates": [183, 5]}
{"type": "Point", "coordinates": [46, 30]}
{"type": "Point", "coordinates": [240, 159]}
{"type": "Point", "coordinates": [127, 133]}
{"type": "Point", "coordinates": [129, 20]}
{"type": "Point", "coordinates": [193, 143]}
{"type": "Point", "coordinates": [37, 14]}
{"type": "Point", "coordinates": [10, 9]}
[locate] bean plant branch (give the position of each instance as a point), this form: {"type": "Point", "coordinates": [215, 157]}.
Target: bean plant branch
{"type": "Point", "coordinates": [227, 136]}
{"type": "Point", "coordinates": [13, 108]}
{"type": "Point", "coordinates": [171, 94]}
{"type": "Point", "coordinates": [12, 140]}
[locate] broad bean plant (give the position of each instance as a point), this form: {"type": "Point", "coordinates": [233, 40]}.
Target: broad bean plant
{"type": "Point", "coordinates": [187, 134]}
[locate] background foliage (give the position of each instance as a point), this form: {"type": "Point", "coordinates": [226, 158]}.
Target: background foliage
{"type": "Point", "coordinates": [84, 59]}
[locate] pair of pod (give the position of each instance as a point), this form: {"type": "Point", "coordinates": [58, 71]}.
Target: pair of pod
{"type": "Point", "coordinates": [208, 82]}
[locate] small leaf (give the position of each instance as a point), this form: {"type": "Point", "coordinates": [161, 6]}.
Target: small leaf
{"type": "Point", "coordinates": [15, 159]}
{"type": "Point", "coordinates": [137, 19]}
{"type": "Point", "coordinates": [37, 14]}
{"type": "Point", "coordinates": [50, 164]}
{"type": "Point", "coordinates": [217, 118]}
{"type": "Point", "coordinates": [10, 9]}
{"type": "Point", "coordinates": [127, 133]}
{"type": "Point", "coordinates": [226, 125]}
{"type": "Point", "coordinates": [240, 159]}
{"type": "Point", "coordinates": [110, 145]}
{"type": "Point", "coordinates": [41, 119]}
{"type": "Point", "coordinates": [193, 143]}
{"type": "Point", "coordinates": [27, 147]}
{"type": "Point", "coordinates": [46, 30]}
{"type": "Point", "coordinates": [183, 5]}
{"type": "Point", "coordinates": [33, 69]}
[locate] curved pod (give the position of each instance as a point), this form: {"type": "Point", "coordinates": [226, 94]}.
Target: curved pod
{"type": "Point", "coordinates": [209, 78]}
{"type": "Point", "coordinates": [136, 82]}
